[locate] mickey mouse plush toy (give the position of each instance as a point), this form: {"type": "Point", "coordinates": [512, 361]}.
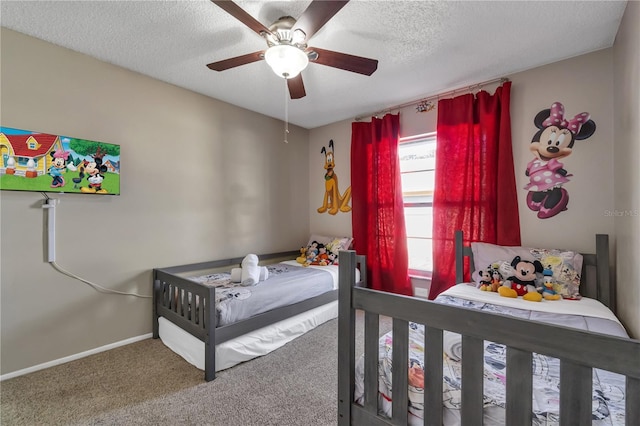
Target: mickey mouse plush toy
{"type": "Point", "coordinates": [523, 281]}
{"type": "Point", "coordinates": [553, 141]}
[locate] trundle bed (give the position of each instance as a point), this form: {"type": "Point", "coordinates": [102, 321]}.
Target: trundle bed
{"type": "Point", "coordinates": [553, 362]}
{"type": "Point", "coordinates": [200, 316]}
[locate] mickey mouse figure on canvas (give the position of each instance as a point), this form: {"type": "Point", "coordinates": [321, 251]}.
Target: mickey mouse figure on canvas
{"type": "Point", "coordinates": [94, 171]}
{"type": "Point", "coordinates": [553, 141]}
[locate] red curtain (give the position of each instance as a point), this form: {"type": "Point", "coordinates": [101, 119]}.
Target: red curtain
{"type": "Point", "coordinates": [475, 187]}
{"type": "Point", "coordinates": [377, 206]}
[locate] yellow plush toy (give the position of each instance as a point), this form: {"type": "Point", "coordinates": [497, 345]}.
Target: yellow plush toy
{"type": "Point", "coordinates": [491, 278]}
{"type": "Point", "coordinates": [303, 255]}
{"type": "Point", "coordinates": [548, 291]}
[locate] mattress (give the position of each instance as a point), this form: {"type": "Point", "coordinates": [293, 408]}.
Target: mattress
{"type": "Point", "coordinates": [288, 283]}
{"type": "Point", "coordinates": [608, 400]}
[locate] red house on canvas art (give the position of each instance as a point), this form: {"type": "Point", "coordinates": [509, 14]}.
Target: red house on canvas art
{"type": "Point", "coordinates": [27, 155]}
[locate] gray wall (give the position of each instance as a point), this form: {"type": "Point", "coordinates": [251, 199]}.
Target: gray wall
{"type": "Point", "coordinates": [626, 78]}
{"type": "Point", "coordinates": [583, 83]}
{"type": "Point", "coordinates": [201, 180]}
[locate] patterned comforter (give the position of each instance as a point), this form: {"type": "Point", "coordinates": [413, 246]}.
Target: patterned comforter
{"type": "Point", "coordinates": [608, 388]}
{"type": "Point", "coordinates": [286, 285]}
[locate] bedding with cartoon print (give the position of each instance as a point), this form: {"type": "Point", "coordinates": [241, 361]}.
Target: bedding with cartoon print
{"type": "Point", "coordinates": [286, 285]}
{"type": "Point", "coordinates": [608, 388]}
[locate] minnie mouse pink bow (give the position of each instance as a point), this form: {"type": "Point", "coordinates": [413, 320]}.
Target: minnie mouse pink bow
{"type": "Point", "coordinates": [557, 119]}
{"type": "Point", "coordinates": [61, 154]}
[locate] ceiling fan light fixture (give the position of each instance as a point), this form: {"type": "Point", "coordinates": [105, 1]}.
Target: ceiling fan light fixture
{"type": "Point", "coordinates": [298, 36]}
{"type": "Point", "coordinates": [285, 60]}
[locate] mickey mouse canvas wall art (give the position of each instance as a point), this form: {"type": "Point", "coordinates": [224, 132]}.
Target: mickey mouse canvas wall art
{"type": "Point", "coordinates": [43, 162]}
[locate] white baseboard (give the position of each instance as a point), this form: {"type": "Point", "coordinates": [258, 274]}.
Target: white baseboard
{"type": "Point", "coordinates": [74, 357]}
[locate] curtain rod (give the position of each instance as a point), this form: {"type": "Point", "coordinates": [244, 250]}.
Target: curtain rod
{"type": "Point", "coordinates": [440, 95]}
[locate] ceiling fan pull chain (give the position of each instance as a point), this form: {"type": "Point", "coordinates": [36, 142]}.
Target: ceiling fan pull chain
{"type": "Point", "coordinates": [286, 111]}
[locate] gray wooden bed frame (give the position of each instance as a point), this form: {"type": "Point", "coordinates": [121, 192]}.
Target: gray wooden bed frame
{"type": "Point", "coordinates": [174, 298]}
{"type": "Point", "coordinates": [578, 351]}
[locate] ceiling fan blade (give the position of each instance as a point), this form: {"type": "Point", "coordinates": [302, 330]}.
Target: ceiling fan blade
{"type": "Point", "coordinates": [316, 15]}
{"type": "Point", "coordinates": [237, 12]}
{"type": "Point", "coordinates": [345, 61]}
{"type": "Point", "coordinates": [237, 61]}
{"type": "Point", "coordinates": [296, 87]}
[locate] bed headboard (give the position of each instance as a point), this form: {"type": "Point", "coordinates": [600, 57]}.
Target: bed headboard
{"type": "Point", "coordinates": [596, 280]}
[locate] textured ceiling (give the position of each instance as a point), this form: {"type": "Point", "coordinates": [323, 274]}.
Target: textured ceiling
{"type": "Point", "coordinates": [423, 47]}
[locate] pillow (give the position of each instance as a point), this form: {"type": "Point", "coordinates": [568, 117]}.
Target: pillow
{"type": "Point", "coordinates": [345, 242]}
{"type": "Point", "coordinates": [566, 265]}
{"type": "Point", "coordinates": [332, 244]}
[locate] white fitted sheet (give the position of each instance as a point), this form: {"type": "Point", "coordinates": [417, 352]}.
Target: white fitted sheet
{"type": "Point", "coordinates": [248, 346]}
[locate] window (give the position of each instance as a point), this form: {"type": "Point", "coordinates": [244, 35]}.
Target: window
{"type": "Point", "coordinates": [417, 167]}
{"type": "Point", "coordinates": [24, 161]}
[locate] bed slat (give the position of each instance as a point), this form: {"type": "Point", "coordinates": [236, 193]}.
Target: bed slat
{"type": "Point", "coordinates": [172, 297]}
{"type": "Point", "coordinates": [165, 295]}
{"type": "Point", "coordinates": [184, 302]}
{"type": "Point", "coordinates": [399, 378]}
{"type": "Point", "coordinates": [575, 393]}
{"type": "Point", "coordinates": [188, 303]}
{"type": "Point", "coordinates": [346, 338]}
{"type": "Point", "coordinates": [605, 290]}
{"type": "Point", "coordinates": [200, 317]}
{"type": "Point", "coordinates": [433, 376]}
{"type": "Point", "coordinates": [210, 338]}
{"type": "Point", "coordinates": [519, 387]}
{"type": "Point", "coordinates": [459, 253]}
{"type": "Point", "coordinates": [371, 337]}
{"type": "Point", "coordinates": [156, 296]}
{"type": "Point", "coordinates": [632, 407]}
{"type": "Point", "coordinates": [472, 380]}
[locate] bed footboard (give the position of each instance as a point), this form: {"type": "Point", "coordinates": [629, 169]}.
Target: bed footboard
{"type": "Point", "coordinates": [186, 304]}
{"type": "Point", "coordinates": [579, 352]}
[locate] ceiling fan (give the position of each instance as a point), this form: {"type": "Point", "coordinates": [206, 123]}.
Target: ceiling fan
{"type": "Point", "coordinates": [287, 51]}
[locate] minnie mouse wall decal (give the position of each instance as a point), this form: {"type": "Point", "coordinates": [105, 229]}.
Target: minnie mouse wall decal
{"type": "Point", "coordinates": [553, 141]}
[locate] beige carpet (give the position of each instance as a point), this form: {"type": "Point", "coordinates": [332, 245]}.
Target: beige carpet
{"type": "Point", "coordinates": [145, 383]}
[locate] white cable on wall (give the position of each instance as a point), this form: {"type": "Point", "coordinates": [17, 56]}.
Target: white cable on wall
{"type": "Point", "coordinates": [95, 286]}
{"type": "Point", "coordinates": [50, 205]}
